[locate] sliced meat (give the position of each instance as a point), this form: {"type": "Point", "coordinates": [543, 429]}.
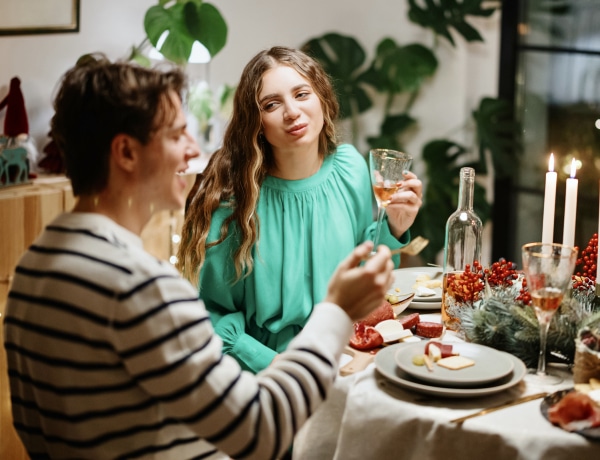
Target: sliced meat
{"type": "Point", "coordinates": [409, 321]}
{"type": "Point", "coordinates": [381, 313]}
{"type": "Point", "coordinates": [429, 329]}
{"type": "Point", "coordinates": [575, 411]}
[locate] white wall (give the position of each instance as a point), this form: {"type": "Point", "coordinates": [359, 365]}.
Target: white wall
{"type": "Point", "coordinates": [113, 26]}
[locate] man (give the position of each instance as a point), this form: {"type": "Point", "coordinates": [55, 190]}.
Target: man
{"type": "Point", "coordinates": [110, 353]}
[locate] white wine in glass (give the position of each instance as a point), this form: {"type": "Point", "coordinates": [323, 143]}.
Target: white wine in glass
{"type": "Point", "coordinates": [548, 269]}
{"type": "Point", "coordinates": [387, 167]}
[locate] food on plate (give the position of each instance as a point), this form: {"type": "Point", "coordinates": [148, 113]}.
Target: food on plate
{"type": "Point", "coordinates": [592, 389]}
{"type": "Point", "coordinates": [381, 313]}
{"type": "Point", "coordinates": [365, 337]}
{"type": "Point", "coordinates": [409, 321]}
{"type": "Point", "coordinates": [424, 280]}
{"type": "Point", "coordinates": [418, 360]}
{"type": "Point", "coordinates": [456, 362]}
{"type": "Point", "coordinates": [391, 330]}
{"type": "Point", "coordinates": [443, 355]}
{"type": "Point", "coordinates": [429, 329]}
{"type": "Point", "coordinates": [446, 349]}
{"type": "Point", "coordinates": [575, 411]}
{"type": "Point", "coordinates": [423, 291]}
{"type": "Point", "coordinates": [434, 352]}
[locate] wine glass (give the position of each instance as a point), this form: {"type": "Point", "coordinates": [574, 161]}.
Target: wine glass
{"type": "Point", "coordinates": [548, 269]}
{"type": "Point", "coordinates": [386, 168]}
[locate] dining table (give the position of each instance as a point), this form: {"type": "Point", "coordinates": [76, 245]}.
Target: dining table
{"type": "Point", "coordinates": [369, 415]}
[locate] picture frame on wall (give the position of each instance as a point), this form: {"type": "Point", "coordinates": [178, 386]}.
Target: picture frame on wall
{"type": "Point", "coordinates": [25, 17]}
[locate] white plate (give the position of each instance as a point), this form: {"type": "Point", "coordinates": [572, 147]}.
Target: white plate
{"type": "Point", "coordinates": [406, 278]}
{"type": "Point", "coordinates": [425, 305]}
{"type": "Point", "coordinates": [490, 365]}
{"type": "Point", "coordinates": [386, 366]}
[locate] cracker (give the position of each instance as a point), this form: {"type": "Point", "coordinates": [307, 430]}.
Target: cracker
{"type": "Point", "coordinates": [595, 383]}
{"type": "Point", "coordinates": [583, 387]}
{"type": "Point", "coordinates": [455, 363]}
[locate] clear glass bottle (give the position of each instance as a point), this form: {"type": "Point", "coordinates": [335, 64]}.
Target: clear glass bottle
{"type": "Point", "coordinates": [462, 250]}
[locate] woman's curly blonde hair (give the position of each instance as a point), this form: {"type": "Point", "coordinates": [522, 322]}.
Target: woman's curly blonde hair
{"type": "Point", "coordinates": [236, 171]}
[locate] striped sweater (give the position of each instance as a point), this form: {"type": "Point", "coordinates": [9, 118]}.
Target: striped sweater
{"type": "Point", "coordinates": [111, 355]}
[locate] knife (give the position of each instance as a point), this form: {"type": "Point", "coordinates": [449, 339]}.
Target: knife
{"type": "Point", "coordinates": [515, 402]}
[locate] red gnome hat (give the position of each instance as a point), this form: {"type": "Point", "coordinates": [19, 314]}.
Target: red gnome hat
{"type": "Point", "coordinates": [15, 121]}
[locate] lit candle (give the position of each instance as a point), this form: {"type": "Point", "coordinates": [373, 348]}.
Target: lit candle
{"type": "Point", "coordinates": [570, 208]}
{"type": "Point", "coordinates": [549, 203]}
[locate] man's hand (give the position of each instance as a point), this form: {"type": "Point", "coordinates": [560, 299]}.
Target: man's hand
{"type": "Point", "coordinates": [357, 289]}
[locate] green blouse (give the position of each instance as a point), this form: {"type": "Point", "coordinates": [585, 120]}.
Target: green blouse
{"type": "Point", "coordinates": [307, 227]}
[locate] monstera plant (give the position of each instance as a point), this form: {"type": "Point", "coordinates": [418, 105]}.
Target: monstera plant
{"type": "Point", "coordinates": [187, 22]}
{"type": "Point", "coordinates": [397, 73]}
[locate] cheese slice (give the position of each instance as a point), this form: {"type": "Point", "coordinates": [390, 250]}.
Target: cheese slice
{"type": "Point", "coordinates": [391, 330]}
{"type": "Point", "coordinates": [455, 362]}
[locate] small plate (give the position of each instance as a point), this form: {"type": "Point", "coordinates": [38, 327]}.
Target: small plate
{"type": "Point", "coordinates": [490, 365]}
{"type": "Point", "coordinates": [551, 400]}
{"type": "Point", "coordinates": [406, 278]}
{"type": "Point", "coordinates": [385, 364]}
{"type": "Point", "coordinates": [425, 306]}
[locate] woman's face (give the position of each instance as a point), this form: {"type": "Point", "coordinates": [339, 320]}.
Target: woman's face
{"type": "Point", "coordinates": [291, 112]}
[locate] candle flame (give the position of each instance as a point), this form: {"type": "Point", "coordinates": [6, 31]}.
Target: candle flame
{"type": "Point", "coordinates": [573, 168]}
{"type": "Point", "coordinates": [551, 163]}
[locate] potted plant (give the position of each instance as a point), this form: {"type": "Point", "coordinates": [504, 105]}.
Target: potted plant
{"type": "Point", "coordinates": [173, 26]}
{"type": "Point", "coordinates": [398, 73]}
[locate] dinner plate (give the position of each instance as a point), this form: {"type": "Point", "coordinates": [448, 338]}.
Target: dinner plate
{"type": "Point", "coordinates": [490, 365]}
{"type": "Point", "coordinates": [385, 364]}
{"type": "Point", "coordinates": [406, 279]}
{"type": "Point", "coordinates": [550, 400]}
{"type": "Point", "coordinates": [424, 305]}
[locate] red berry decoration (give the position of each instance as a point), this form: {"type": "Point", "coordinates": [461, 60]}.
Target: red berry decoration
{"type": "Point", "coordinates": [586, 266]}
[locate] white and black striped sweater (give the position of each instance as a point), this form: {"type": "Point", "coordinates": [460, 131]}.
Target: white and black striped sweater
{"type": "Point", "coordinates": [111, 355]}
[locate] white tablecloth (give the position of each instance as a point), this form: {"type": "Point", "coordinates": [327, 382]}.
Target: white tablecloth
{"type": "Point", "coordinates": [368, 417]}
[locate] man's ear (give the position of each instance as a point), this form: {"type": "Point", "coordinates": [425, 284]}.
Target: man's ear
{"type": "Point", "coordinates": [124, 151]}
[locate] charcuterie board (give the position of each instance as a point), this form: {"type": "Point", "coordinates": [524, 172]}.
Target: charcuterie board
{"type": "Point", "coordinates": [360, 360]}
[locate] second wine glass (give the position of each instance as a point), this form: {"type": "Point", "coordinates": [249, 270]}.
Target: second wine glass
{"type": "Point", "coordinates": [387, 167]}
{"type": "Point", "coordinates": [548, 269]}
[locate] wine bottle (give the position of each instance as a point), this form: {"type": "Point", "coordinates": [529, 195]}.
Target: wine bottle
{"type": "Point", "coordinates": [462, 252]}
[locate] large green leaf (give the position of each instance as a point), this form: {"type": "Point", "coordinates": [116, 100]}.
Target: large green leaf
{"type": "Point", "coordinates": [442, 15]}
{"type": "Point", "coordinates": [391, 129]}
{"type": "Point", "coordinates": [342, 58]}
{"type": "Point", "coordinates": [497, 131]}
{"type": "Point", "coordinates": [206, 25]}
{"type": "Point", "coordinates": [186, 21]}
{"type": "Point", "coordinates": [398, 69]}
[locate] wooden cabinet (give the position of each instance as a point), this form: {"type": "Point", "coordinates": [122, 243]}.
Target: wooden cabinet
{"type": "Point", "coordinates": [24, 211]}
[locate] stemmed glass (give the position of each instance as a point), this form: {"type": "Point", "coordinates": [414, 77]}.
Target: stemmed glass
{"type": "Point", "coordinates": [386, 177]}
{"type": "Point", "coordinates": [548, 269]}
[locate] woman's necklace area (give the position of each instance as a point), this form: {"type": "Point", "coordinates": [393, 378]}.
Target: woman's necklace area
{"type": "Point", "coordinates": [291, 173]}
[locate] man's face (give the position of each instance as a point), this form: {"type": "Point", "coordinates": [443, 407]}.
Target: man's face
{"type": "Point", "coordinates": [165, 157]}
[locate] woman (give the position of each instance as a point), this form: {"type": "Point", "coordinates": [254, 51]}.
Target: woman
{"type": "Point", "coordinates": [279, 206]}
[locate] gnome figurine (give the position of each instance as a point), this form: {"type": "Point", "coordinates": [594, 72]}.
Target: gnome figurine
{"type": "Point", "coordinates": [15, 121]}
{"type": "Point", "coordinates": [18, 151]}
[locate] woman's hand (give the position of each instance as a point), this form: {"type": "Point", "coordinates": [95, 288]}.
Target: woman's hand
{"type": "Point", "coordinates": [405, 204]}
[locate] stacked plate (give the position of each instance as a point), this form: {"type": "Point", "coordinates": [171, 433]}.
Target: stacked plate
{"type": "Point", "coordinates": [425, 282]}
{"type": "Point", "coordinates": [493, 371]}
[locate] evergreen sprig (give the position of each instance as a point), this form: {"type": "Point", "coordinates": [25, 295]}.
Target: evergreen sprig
{"type": "Point", "coordinates": [500, 322]}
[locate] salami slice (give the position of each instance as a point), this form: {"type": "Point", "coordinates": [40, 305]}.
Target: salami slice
{"type": "Point", "coordinates": [429, 329]}
{"type": "Point", "coordinates": [409, 321]}
{"type": "Point", "coordinates": [381, 313]}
